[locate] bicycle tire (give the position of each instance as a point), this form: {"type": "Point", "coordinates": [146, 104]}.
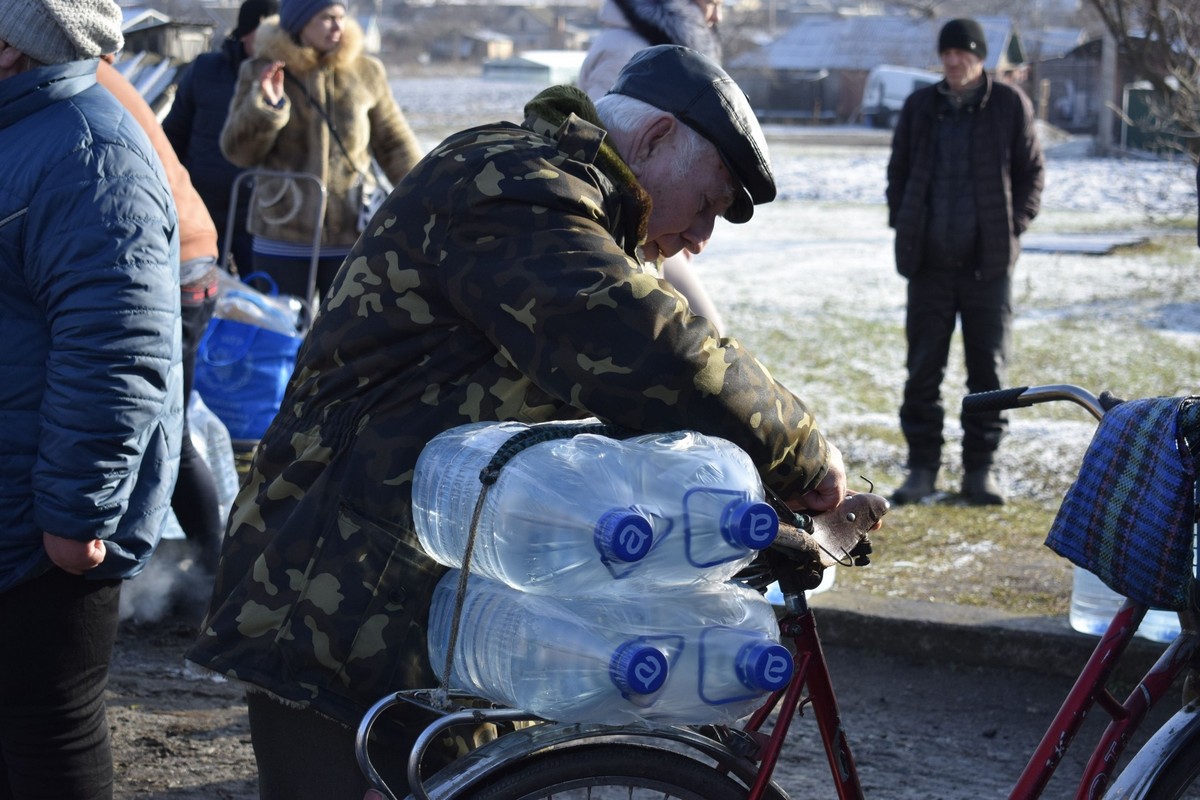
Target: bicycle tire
{"type": "Point", "coordinates": [611, 771]}
{"type": "Point", "coordinates": [1179, 779]}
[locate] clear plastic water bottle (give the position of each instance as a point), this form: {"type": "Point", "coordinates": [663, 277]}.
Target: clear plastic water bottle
{"type": "Point", "coordinates": [1093, 605]}
{"type": "Point", "coordinates": [731, 658]}
{"type": "Point", "coordinates": [718, 496]}
{"type": "Point", "coordinates": [700, 653]}
{"type": "Point", "coordinates": [211, 439]}
{"type": "Point", "coordinates": [774, 593]}
{"type": "Point", "coordinates": [541, 655]}
{"type": "Point", "coordinates": [589, 510]}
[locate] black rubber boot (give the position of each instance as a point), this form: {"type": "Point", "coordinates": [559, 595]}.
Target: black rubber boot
{"type": "Point", "coordinates": [920, 483]}
{"type": "Point", "coordinates": [981, 489]}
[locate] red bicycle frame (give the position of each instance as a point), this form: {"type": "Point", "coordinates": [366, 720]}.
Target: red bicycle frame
{"type": "Point", "coordinates": [1090, 689]}
{"type": "Point", "coordinates": [799, 625]}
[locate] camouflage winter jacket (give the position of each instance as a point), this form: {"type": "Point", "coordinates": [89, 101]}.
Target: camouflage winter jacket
{"type": "Point", "coordinates": [500, 282]}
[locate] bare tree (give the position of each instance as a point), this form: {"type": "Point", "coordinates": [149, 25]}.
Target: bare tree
{"type": "Point", "coordinates": [1159, 41]}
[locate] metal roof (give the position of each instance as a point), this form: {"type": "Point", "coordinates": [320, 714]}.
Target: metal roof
{"type": "Point", "coordinates": [860, 42]}
{"type": "Point", "coordinates": [1052, 42]}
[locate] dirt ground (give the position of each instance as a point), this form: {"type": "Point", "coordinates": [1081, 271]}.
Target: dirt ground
{"type": "Point", "coordinates": [175, 736]}
{"type": "Point", "coordinates": [176, 733]}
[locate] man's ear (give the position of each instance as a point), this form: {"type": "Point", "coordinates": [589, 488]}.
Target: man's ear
{"type": "Point", "coordinates": [649, 138]}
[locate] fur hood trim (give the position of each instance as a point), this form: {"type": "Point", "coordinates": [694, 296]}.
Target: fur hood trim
{"type": "Point", "coordinates": [275, 44]}
{"type": "Point", "coordinates": [664, 22]}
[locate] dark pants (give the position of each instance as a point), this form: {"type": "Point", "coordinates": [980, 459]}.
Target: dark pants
{"type": "Point", "coordinates": [302, 754]}
{"type": "Point", "coordinates": [936, 300]}
{"type": "Point", "coordinates": [195, 500]}
{"type": "Point", "coordinates": [58, 631]}
{"type": "Point", "coordinates": [237, 240]}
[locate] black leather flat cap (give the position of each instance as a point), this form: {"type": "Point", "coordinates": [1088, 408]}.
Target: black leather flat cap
{"type": "Point", "coordinates": [701, 95]}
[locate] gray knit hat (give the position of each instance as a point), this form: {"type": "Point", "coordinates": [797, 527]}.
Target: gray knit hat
{"type": "Point", "coordinates": [58, 31]}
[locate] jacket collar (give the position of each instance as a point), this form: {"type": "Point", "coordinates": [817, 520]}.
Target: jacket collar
{"type": "Point", "coordinates": [982, 94]}
{"type": "Point", "coordinates": [233, 50]}
{"type": "Point", "coordinates": [273, 43]}
{"type": "Point", "coordinates": [29, 92]}
{"type": "Point", "coordinates": [565, 114]}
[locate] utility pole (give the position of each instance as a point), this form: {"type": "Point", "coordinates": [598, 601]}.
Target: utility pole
{"type": "Point", "coordinates": [1109, 94]}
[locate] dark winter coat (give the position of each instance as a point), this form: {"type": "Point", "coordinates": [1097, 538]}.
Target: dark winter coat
{"type": "Point", "coordinates": [349, 86]}
{"type": "Point", "coordinates": [1006, 163]}
{"type": "Point", "coordinates": [633, 25]}
{"type": "Point", "coordinates": [193, 125]}
{"type": "Point", "coordinates": [500, 282]}
{"type": "Point", "coordinates": [91, 385]}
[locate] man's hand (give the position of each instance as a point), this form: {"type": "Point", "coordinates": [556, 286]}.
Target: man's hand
{"type": "Point", "coordinates": [830, 492]}
{"type": "Point", "coordinates": [73, 556]}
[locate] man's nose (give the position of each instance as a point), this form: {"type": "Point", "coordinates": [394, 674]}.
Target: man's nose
{"type": "Point", "coordinates": [697, 235]}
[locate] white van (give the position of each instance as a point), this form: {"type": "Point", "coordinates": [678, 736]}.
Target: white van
{"type": "Point", "coordinates": [886, 90]}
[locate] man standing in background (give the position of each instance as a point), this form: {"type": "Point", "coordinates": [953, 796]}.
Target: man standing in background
{"type": "Point", "coordinates": [964, 182]}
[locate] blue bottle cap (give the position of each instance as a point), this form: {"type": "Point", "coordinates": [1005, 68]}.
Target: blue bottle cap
{"type": "Point", "coordinates": [752, 524]}
{"type": "Point", "coordinates": [622, 534]}
{"type": "Point", "coordinates": [766, 666]}
{"type": "Point", "coordinates": [638, 668]}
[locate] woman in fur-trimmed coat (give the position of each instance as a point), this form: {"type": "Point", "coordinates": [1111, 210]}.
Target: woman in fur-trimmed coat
{"type": "Point", "coordinates": [309, 78]}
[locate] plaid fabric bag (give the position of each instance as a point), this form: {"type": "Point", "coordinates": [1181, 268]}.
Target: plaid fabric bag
{"type": "Point", "coordinates": [1129, 516]}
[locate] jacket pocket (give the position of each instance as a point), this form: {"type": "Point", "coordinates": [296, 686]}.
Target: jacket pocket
{"type": "Point", "coordinates": [361, 612]}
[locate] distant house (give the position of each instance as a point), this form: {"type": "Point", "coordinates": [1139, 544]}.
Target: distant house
{"type": "Point", "coordinates": [476, 32]}
{"type": "Point", "coordinates": [180, 40]}
{"type": "Point", "coordinates": [816, 71]}
{"type": "Point", "coordinates": [544, 67]}
{"type": "Point", "coordinates": [472, 46]}
{"type": "Point", "coordinates": [536, 28]}
{"type": "Point", "coordinates": [156, 47]}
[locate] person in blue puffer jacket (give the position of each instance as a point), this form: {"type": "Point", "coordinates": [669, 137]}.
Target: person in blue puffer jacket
{"type": "Point", "coordinates": [91, 396]}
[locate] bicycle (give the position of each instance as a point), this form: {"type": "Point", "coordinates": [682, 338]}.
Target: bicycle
{"type": "Point", "coordinates": [546, 759]}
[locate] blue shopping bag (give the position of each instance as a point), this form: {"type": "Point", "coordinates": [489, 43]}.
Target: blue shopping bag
{"type": "Point", "coordinates": [246, 357]}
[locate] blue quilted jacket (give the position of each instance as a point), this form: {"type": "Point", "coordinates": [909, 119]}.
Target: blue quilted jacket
{"type": "Point", "coordinates": [90, 375]}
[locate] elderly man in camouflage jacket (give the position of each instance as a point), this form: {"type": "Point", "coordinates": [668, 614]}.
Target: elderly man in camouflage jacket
{"type": "Point", "coordinates": [505, 279]}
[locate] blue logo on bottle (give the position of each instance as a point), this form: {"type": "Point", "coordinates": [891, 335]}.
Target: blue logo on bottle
{"type": "Point", "coordinates": [637, 668]}
{"type": "Point", "coordinates": [766, 666]}
{"type": "Point", "coordinates": [624, 535]}
{"type": "Point", "coordinates": [723, 525]}
{"type": "Point", "coordinates": [754, 525]}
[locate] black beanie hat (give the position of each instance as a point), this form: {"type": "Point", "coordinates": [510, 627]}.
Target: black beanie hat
{"type": "Point", "coordinates": [251, 13]}
{"type": "Point", "coordinates": [963, 34]}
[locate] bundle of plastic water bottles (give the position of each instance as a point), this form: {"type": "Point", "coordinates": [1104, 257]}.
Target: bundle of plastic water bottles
{"type": "Point", "coordinates": [599, 574]}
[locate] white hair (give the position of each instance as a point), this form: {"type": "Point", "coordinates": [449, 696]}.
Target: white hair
{"type": "Point", "coordinates": [624, 114]}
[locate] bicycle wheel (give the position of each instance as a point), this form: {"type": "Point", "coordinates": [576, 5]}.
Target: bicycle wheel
{"type": "Point", "coordinates": [1180, 779]}
{"type": "Point", "coordinates": [607, 772]}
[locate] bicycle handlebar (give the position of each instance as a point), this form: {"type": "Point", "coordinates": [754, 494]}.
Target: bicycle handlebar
{"type": "Point", "coordinates": [1024, 396]}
